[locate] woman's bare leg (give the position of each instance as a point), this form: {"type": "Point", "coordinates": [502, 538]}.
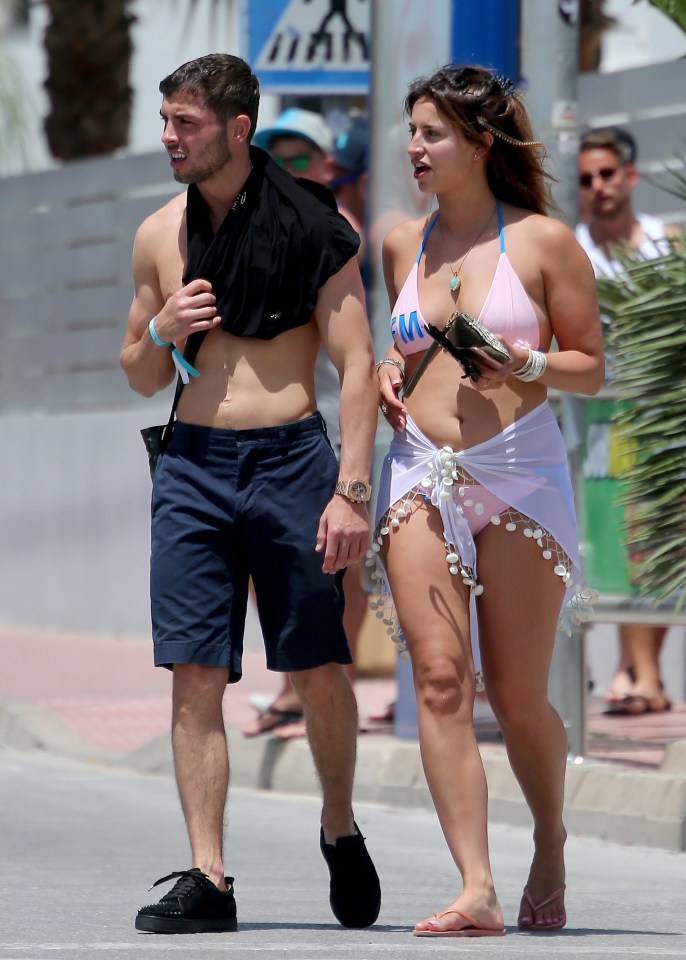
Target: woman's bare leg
{"type": "Point", "coordinates": [643, 642]}
{"type": "Point", "coordinates": [623, 679]}
{"type": "Point", "coordinates": [432, 606]}
{"type": "Point", "coordinates": [518, 613]}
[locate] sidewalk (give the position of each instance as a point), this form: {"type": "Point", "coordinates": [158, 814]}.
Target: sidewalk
{"type": "Point", "coordinates": [100, 699]}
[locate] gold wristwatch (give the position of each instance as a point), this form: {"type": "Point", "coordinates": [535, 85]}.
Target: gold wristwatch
{"type": "Point", "coordinates": [357, 491]}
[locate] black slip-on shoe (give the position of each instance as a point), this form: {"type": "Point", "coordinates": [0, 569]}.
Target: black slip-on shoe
{"type": "Point", "coordinates": [355, 893]}
{"type": "Point", "coordinates": [193, 905]}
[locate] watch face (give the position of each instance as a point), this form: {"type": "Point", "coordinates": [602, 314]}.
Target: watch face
{"type": "Point", "coordinates": [358, 490]}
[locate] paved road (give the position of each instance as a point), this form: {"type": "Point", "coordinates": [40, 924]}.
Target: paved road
{"type": "Point", "coordinates": [80, 844]}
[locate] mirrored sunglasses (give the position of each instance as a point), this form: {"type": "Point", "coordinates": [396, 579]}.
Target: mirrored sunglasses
{"type": "Point", "coordinates": [300, 162]}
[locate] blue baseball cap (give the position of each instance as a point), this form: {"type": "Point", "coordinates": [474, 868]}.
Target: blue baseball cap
{"type": "Point", "coordinates": [295, 122]}
{"type": "Point", "coordinates": [351, 150]}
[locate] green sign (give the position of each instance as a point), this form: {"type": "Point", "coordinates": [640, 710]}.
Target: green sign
{"type": "Point", "coordinates": [602, 520]}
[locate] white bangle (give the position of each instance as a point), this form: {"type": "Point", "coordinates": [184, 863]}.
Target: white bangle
{"type": "Point", "coordinates": [396, 363]}
{"type": "Point", "coordinates": [535, 366]}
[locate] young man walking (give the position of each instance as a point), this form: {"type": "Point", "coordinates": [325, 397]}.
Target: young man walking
{"type": "Point", "coordinates": [263, 269]}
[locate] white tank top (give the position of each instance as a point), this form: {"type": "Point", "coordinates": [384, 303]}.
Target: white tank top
{"type": "Point", "coordinates": [654, 244]}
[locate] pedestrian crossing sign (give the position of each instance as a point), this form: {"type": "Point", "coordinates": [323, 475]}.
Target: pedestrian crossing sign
{"type": "Point", "coordinates": [308, 45]}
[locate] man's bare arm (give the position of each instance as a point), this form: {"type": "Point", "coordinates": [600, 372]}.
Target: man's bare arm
{"type": "Point", "coordinates": [149, 367]}
{"type": "Point", "coordinates": [342, 320]}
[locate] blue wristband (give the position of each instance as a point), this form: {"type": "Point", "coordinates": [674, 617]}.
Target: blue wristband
{"type": "Point", "coordinates": [155, 338]}
{"type": "Point", "coordinates": [183, 364]}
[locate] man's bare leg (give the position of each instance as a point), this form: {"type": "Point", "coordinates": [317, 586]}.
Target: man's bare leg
{"type": "Point", "coordinates": [201, 762]}
{"type": "Point", "coordinates": [331, 717]}
{"type": "Point", "coordinates": [287, 700]}
{"type": "Point", "coordinates": [199, 901]}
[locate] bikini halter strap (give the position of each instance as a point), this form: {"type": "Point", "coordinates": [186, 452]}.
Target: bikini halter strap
{"type": "Point", "coordinates": [501, 232]}
{"type": "Point", "coordinates": [501, 227]}
{"type": "Point", "coordinates": [426, 237]}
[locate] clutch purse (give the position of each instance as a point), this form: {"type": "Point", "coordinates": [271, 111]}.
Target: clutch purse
{"type": "Point", "coordinates": [461, 333]}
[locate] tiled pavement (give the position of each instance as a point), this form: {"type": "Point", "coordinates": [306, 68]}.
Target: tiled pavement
{"type": "Point", "coordinates": [107, 690]}
{"type": "Point", "coordinates": [634, 741]}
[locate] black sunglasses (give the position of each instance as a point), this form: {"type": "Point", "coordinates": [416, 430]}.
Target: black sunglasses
{"type": "Point", "coordinates": [605, 173]}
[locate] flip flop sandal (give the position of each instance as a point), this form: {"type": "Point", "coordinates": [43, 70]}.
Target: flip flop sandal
{"type": "Point", "coordinates": [271, 718]}
{"type": "Point", "coordinates": [473, 928]}
{"type": "Point", "coordinates": [635, 706]}
{"type": "Point", "coordinates": [535, 907]}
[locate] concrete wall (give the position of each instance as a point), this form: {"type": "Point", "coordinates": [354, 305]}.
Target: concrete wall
{"type": "Point", "coordinates": [75, 521]}
{"type": "Point", "coordinates": [74, 510]}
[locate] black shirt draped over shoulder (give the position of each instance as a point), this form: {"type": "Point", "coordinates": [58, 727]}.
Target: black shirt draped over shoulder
{"type": "Point", "coordinates": [278, 245]}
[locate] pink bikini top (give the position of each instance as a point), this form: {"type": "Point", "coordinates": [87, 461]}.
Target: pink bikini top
{"type": "Point", "coordinates": [507, 309]}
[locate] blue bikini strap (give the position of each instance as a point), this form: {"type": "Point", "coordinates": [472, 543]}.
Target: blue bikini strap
{"type": "Point", "coordinates": [501, 231]}
{"type": "Point", "coordinates": [426, 237]}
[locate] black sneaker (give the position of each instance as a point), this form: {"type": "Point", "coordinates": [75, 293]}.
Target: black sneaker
{"type": "Point", "coordinates": [193, 905]}
{"type": "Point", "coordinates": [355, 894]}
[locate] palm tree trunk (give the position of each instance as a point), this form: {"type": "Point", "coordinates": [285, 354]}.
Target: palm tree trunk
{"type": "Point", "coordinates": [593, 24]}
{"type": "Point", "coordinates": [88, 45]}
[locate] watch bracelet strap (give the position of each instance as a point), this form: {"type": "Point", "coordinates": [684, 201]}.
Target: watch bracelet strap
{"type": "Point", "coordinates": [342, 487]}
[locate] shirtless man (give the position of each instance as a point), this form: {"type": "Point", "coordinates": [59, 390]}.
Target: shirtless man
{"type": "Point", "coordinates": [249, 485]}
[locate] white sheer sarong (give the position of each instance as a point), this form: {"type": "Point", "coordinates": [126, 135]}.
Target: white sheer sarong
{"type": "Point", "coordinates": [525, 466]}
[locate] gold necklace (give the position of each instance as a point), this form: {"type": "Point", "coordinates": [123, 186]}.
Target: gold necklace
{"type": "Point", "coordinates": [455, 279]}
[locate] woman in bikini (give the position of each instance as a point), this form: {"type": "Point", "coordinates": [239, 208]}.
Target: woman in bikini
{"type": "Point", "coordinates": [477, 470]}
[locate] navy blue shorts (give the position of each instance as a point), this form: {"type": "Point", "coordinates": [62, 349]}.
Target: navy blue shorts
{"type": "Point", "coordinates": [229, 505]}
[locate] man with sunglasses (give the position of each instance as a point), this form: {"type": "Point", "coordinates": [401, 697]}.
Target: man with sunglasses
{"type": "Point", "coordinates": [301, 142]}
{"type": "Point", "coordinates": [607, 178]}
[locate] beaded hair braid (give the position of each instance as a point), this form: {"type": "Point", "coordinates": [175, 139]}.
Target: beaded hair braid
{"type": "Point", "coordinates": [508, 139]}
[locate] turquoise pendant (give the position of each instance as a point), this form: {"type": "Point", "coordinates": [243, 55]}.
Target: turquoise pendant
{"type": "Point", "coordinates": [454, 283]}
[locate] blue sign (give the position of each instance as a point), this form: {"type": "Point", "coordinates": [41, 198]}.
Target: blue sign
{"type": "Point", "coordinates": [304, 45]}
{"type": "Point", "coordinates": [487, 32]}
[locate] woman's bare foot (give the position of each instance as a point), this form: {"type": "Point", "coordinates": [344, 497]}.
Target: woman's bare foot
{"type": "Point", "coordinates": [472, 917]}
{"type": "Point", "coordinates": [542, 905]}
{"type": "Point", "coordinates": [546, 914]}
{"type": "Point", "coordinates": [274, 717]}
{"type": "Point", "coordinates": [622, 685]}
{"type": "Point", "coordinates": [292, 731]}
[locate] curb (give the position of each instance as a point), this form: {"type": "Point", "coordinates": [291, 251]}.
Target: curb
{"type": "Point", "coordinates": [634, 807]}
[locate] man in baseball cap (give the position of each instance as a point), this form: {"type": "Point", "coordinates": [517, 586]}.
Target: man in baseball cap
{"type": "Point", "coordinates": [301, 142]}
{"type": "Point", "coordinates": [348, 175]}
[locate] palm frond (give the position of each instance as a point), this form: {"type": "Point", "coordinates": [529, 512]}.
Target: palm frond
{"type": "Point", "coordinates": [674, 9]}
{"type": "Point", "coordinates": [646, 335]}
